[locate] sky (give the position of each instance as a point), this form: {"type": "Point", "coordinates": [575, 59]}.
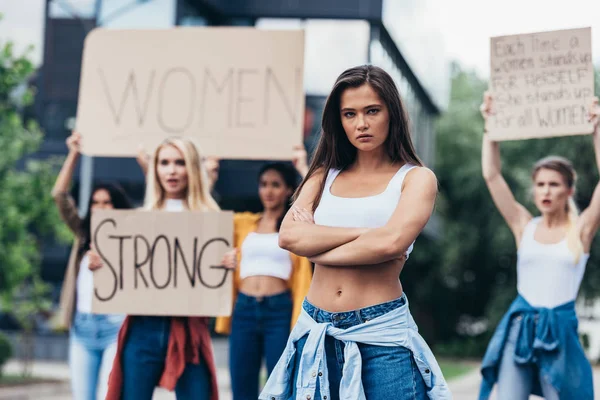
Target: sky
{"type": "Point", "coordinates": [466, 25]}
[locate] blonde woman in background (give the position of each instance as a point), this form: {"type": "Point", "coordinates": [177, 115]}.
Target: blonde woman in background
{"type": "Point", "coordinates": [536, 348]}
{"type": "Point", "coordinates": [171, 352]}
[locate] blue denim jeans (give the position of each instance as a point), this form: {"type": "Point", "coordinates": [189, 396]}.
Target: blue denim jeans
{"type": "Point", "coordinates": [92, 349]}
{"type": "Point", "coordinates": [260, 329]}
{"type": "Point", "coordinates": [515, 381]}
{"type": "Point", "coordinates": [143, 362]}
{"type": "Point", "coordinates": [387, 372]}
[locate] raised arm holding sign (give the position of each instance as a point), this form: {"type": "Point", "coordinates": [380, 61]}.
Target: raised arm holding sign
{"type": "Point", "coordinates": [553, 250]}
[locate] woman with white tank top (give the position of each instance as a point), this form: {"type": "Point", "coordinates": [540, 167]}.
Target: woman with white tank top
{"type": "Point", "coordinates": [363, 203]}
{"type": "Point", "coordinates": [269, 282]}
{"type": "Point", "coordinates": [536, 348]}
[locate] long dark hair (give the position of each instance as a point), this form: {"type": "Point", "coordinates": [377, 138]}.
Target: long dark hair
{"type": "Point", "coordinates": [119, 200]}
{"type": "Point", "coordinates": [290, 178]}
{"type": "Point", "coordinates": [335, 150]}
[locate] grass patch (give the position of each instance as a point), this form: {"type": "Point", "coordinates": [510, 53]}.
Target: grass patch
{"type": "Point", "coordinates": [453, 369]}
{"type": "Point", "coordinates": [20, 380]}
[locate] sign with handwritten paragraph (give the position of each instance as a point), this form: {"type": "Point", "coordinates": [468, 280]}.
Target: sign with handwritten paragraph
{"type": "Point", "coordinates": [542, 84]}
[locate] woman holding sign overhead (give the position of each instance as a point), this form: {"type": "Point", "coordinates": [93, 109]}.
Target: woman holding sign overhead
{"type": "Point", "coordinates": [270, 283]}
{"type": "Point", "coordinates": [536, 348]}
{"type": "Point", "coordinates": [363, 203]}
{"type": "Point", "coordinates": [93, 337]}
{"type": "Point", "coordinates": [171, 352]}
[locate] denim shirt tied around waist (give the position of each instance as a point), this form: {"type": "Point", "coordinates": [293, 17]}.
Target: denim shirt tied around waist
{"type": "Point", "coordinates": [395, 328]}
{"type": "Point", "coordinates": [547, 338]}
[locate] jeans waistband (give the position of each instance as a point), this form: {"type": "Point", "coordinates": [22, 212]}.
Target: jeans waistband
{"type": "Point", "coordinates": [263, 300]}
{"type": "Point", "coordinates": [151, 323]}
{"type": "Point", "coordinates": [347, 319]}
{"type": "Point", "coordinates": [99, 317]}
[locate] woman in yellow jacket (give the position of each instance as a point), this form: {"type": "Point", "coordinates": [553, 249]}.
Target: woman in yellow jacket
{"type": "Point", "coordinates": [269, 283]}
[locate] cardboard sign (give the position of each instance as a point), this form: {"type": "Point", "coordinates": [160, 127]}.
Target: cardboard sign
{"type": "Point", "coordinates": [162, 263]}
{"type": "Point", "coordinates": [542, 84]}
{"type": "Point", "coordinates": [237, 92]}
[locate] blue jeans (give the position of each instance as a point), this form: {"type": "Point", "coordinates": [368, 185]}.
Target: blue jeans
{"type": "Point", "coordinates": [515, 381]}
{"type": "Point", "coordinates": [387, 372]}
{"type": "Point", "coordinates": [260, 328]}
{"type": "Point", "coordinates": [92, 349]}
{"type": "Point", "coordinates": [143, 362]}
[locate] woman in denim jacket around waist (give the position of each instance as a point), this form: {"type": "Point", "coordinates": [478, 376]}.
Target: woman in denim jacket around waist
{"type": "Point", "coordinates": [93, 338]}
{"type": "Point", "coordinates": [536, 348]}
{"type": "Point", "coordinates": [363, 203]}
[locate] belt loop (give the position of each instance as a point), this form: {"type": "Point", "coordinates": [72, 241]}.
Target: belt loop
{"type": "Point", "coordinates": [359, 316]}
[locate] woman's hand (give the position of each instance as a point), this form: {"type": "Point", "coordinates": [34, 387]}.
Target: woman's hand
{"type": "Point", "coordinates": [299, 159]}
{"type": "Point", "coordinates": [74, 143]}
{"type": "Point", "coordinates": [229, 260]}
{"type": "Point", "coordinates": [594, 115]}
{"type": "Point", "coordinates": [212, 170]}
{"type": "Point", "coordinates": [302, 215]}
{"type": "Point", "coordinates": [487, 107]}
{"type": "Point", "coordinates": [143, 159]}
{"type": "Point", "coordinates": [95, 262]}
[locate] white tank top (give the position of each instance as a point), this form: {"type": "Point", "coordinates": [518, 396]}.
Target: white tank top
{"type": "Point", "coordinates": [360, 212]}
{"type": "Point", "coordinates": [547, 275]}
{"type": "Point", "coordinates": [261, 255]}
{"type": "Point", "coordinates": [85, 286]}
{"type": "Point", "coordinates": [174, 205]}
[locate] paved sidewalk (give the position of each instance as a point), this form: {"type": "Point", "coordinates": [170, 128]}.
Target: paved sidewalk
{"type": "Point", "coordinates": [463, 388]}
{"type": "Point", "coordinates": [467, 386]}
{"type": "Point", "coordinates": [62, 389]}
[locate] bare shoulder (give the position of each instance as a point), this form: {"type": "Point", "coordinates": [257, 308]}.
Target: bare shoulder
{"type": "Point", "coordinates": [310, 188]}
{"type": "Point", "coordinates": [421, 178]}
{"type": "Point", "coordinates": [314, 181]}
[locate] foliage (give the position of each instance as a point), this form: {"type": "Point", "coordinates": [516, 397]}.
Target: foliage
{"type": "Point", "coordinates": [5, 351]}
{"type": "Point", "coordinates": [28, 214]}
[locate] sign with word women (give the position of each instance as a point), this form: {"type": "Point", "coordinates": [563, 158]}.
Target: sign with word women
{"type": "Point", "coordinates": [162, 263]}
{"type": "Point", "coordinates": [542, 84]}
{"type": "Point", "coordinates": [236, 92]}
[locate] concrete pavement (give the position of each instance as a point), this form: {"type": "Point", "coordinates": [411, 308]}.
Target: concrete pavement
{"type": "Point", "coordinates": [465, 387]}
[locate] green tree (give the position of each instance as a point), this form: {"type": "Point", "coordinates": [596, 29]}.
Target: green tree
{"type": "Point", "coordinates": [29, 217]}
{"type": "Point", "coordinates": [478, 252]}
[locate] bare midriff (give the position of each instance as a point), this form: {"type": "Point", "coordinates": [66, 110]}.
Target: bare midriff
{"type": "Point", "coordinates": [262, 285]}
{"type": "Point", "coordinates": [339, 289]}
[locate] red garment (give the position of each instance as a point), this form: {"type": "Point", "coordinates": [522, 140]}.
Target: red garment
{"type": "Point", "coordinates": [189, 342]}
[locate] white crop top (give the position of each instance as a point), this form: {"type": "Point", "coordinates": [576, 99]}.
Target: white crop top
{"type": "Point", "coordinates": [85, 286]}
{"type": "Point", "coordinates": [174, 205]}
{"type": "Point", "coordinates": [360, 212]}
{"type": "Point", "coordinates": [261, 255]}
{"type": "Point", "coordinates": [547, 275]}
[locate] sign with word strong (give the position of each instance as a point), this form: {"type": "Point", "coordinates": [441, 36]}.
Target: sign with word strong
{"type": "Point", "coordinates": [542, 84]}
{"type": "Point", "coordinates": [236, 92]}
{"type": "Point", "coordinates": [162, 263]}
